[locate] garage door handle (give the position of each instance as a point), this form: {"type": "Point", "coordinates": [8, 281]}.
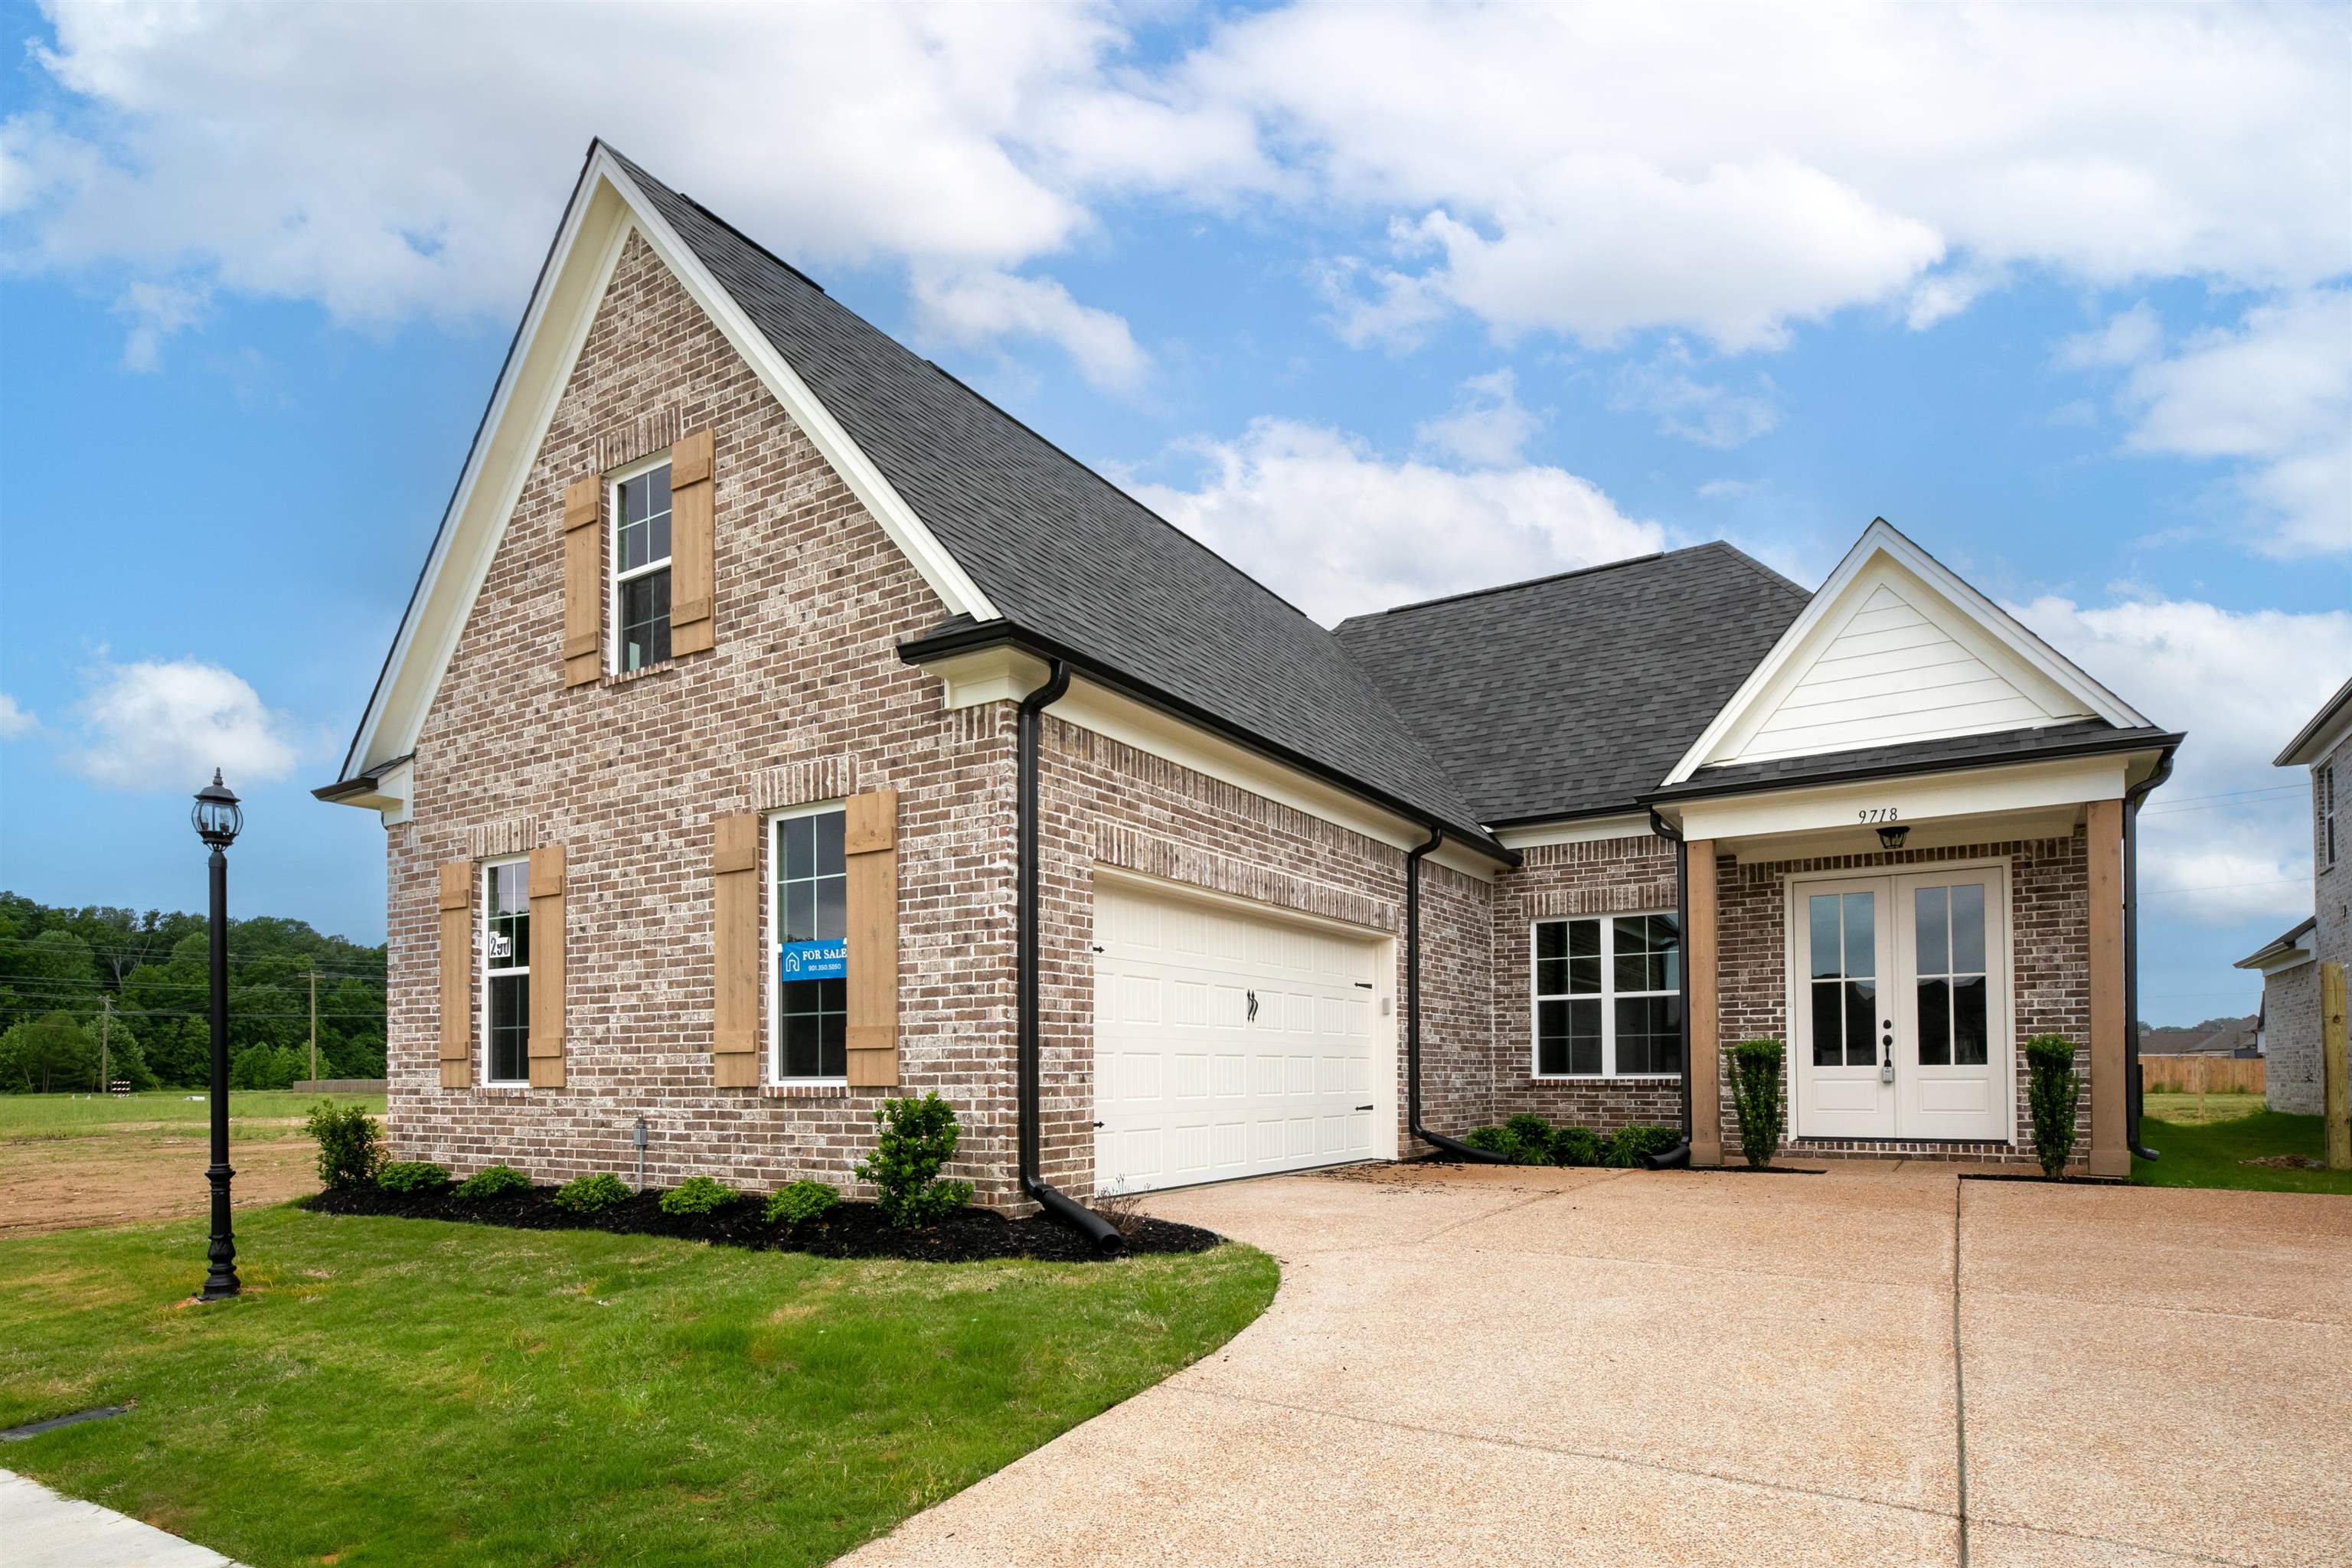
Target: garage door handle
{"type": "Point", "coordinates": [1098, 1126]}
{"type": "Point", "coordinates": [1364, 1107]}
{"type": "Point", "coordinates": [1253, 1006]}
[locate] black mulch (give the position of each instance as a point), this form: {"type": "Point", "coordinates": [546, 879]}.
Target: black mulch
{"type": "Point", "coordinates": [851, 1230]}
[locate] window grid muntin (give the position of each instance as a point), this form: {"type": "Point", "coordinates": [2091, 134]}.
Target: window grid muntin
{"type": "Point", "coordinates": [640, 588]}
{"type": "Point", "coordinates": [506, 977]}
{"type": "Point", "coordinates": [1574, 980]}
{"type": "Point", "coordinates": [822, 1003]}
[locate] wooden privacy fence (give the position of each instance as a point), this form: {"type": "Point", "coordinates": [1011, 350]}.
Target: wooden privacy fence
{"type": "Point", "coordinates": [2203, 1075]}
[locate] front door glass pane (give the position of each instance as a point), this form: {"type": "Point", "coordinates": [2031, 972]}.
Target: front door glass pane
{"type": "Point", "coordinates": [1844, 964]}
{"type": "Point", "coordinates": [1949, 937]}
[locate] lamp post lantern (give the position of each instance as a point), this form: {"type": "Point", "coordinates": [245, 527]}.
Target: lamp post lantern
{"type": "Point", "coordinates": [217, 820]}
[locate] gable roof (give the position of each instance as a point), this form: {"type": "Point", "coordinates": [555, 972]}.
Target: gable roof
{"type": "Point", "coordinates": [2049, 742]}
{"type": "Point", "coordinates": [1572, 695]}
{"type": "Point", "coordinates": [1925, 656]}
{"type": "Point", "coordinates": [2313, 739]}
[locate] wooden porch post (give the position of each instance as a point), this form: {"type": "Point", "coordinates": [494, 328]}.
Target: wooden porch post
{"type": "Point", "coordinates": [1699, 951]}
{"type": "Point", "coordinates": [2110, 1030]}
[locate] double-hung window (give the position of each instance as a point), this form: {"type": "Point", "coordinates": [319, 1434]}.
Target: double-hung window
{"type": "Point", "coordinates": [809, 1035]}
{"type": "Point", "coordinates": [2323, 788]}
{"type": "Point", "coordinates": [1608, 997]}
{"type": "Point", "coordinates": [506, 971]}
{"type": "Point", "coordinates": [640, 557]}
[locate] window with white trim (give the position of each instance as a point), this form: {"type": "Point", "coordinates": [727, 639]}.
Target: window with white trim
{"type": "Point", "coordinates": [808, 915]}
{"type": "Point", "coordinates": [640, 556]}
{"type": "Point", "coordinates": [2326, 790]}
{"type": "Point", "coordinates": [1608, 997]}
{"type": "Point", "coordinates": [506, 971]}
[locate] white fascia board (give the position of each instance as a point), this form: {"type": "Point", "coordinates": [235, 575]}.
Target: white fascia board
{"type": "Point", "coordinates": [605, 208]}
{"type": "Point", "coordinates": [1980, 624]}
{"type": "Point", "coordinates": [1577, 830]}
{"type": "Point", "coordinates": [1909, 799]}
{"type": "Point", "coordinates": [2307, 750]}
{"type": "Point", "coordinates": [2279, 962]}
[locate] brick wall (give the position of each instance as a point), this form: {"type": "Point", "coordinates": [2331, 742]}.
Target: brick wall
{"type": "Point", "coordinates": [2291, 1001]}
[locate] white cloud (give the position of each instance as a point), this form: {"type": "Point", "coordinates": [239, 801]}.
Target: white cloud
{"type": "Point", "coordinates": [1708, 413]}
{"type": "Point", "coordinates": [167, 725]}
{"type": "Point", "coordinates": [16, 722]}
{"type": "Point", "coordinates": [1488, 424]}
{"type": "Point", "coordinates": [972, 310]}
{"type": "Point", "coordinates": [1320, 518]}
{"type": "Point", "coordinates": [2130, 337]}
{"type": "Point", "coordinates": [2239, 683]}
{"type": "Point", "coordinates": [1727, 489]}
{"type": "Point", "coordinates": [1941, 295]}
{"type": "Point", "coordinates": [156, 311]}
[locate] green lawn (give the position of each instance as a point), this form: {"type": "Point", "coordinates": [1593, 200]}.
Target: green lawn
{"type": "Point", "coordinates": [414, 1392]}
{"type": "Point", "coordinates": [2166, 1106]}
{"type": "Point", "coordinates": [2214, 1156]}
{"type": "Point", "coordinates": [166, 1111]}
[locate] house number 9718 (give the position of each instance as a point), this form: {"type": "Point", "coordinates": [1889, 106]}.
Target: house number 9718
{"type": "Point", "coordinates": [1878, 814]}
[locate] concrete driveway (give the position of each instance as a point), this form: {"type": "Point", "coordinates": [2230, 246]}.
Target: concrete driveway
{"type": "Point", "coordinates": [1488, 1367]}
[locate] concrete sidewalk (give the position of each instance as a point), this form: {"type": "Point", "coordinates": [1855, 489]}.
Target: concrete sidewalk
{"type": "Point", "coordinates": [39, 1529]}
{"type": "Point", "coordinates": [1882, 1364]}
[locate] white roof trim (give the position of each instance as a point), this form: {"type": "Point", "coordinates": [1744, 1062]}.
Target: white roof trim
{"type": "Point", "coordinates": [1983, 621]}
{"type": "Point", "coordinates": [606, 207]}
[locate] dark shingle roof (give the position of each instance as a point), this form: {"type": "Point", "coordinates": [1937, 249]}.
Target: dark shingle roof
{"type": "Point", "coordinates": [1061, 551]}
{"type": "Point", "coordinates": [2075, 739]}
{"type": "Point", "coordinates": [1576, 694]}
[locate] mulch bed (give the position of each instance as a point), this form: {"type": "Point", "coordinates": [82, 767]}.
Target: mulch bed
{"type": "Point", "coordinates": [851, 1230]}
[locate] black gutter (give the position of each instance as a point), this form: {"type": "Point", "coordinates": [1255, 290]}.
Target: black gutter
{"type": "Point", "coordinates": [2127, 740]}
{"type": "Point", "coordinates": [1679, 1156]}
{"type": "Point", "coordinates": [995, 634]}
{"type": "Point", "coordinates": [1452, 1146]}
{"type": "Point", "coordinates": [360, 783]}
{"type": "Point", "coordinates": [2133, 1088]}
{"type": "Point", "coordinates": [1069, 1211]}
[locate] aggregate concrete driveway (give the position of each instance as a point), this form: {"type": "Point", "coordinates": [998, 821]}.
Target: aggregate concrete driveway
{"type": "Point", "coordinates": [1485, 1367]}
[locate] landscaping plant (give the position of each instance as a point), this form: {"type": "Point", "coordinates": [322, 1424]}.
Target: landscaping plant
{"type": "Point", "coordinates": [695, 1194]}
{"type": "Point", "coordinates": [351, 1144]}
{"type": "Point", "coordinates": [917, 1139]}
{"type": "Point", "coordinates": [1577, 1146]}
{"type": "Point", "coordinates": [801, 1202]}
{"type": "Point", "coordinates": [1756, 1097]}
{"type": "Point", "coordinates": [1493, 1140]}
{"type": "Point", "coordinates": [1630, 1145]}
{"type": "Point", "coordinates": [1532, 1133]}
{"type": "Point", "coordinates": [2053, 1091]}
{"type": "Point", "coordinates": [589, 1194]}
{"type": "Point", "coordinates": [491, 1181]}
{"type": "Point", "coordinates": [411, 1177]}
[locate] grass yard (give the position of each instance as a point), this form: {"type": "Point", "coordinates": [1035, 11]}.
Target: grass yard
{"type": "Point", "coordinates": [2215, 1154]}
{"type": "Point", "coordinates": [414, 1392]}
{"type": "Point", "coordinates": [165, 1111]}
{"type": "Point", "coordinates": [2182, 1107]}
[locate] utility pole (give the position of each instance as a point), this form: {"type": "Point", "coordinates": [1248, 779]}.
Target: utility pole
{"type": "Point", "coordinates": [314, 1023]}
{"type": "Point", "coordinates": [105, 1019]}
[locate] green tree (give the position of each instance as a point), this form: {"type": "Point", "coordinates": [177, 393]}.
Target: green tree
{"type": "Point", "coordinates": [56, 1051]}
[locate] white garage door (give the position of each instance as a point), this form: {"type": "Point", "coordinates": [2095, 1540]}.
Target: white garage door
{"type": "Point", "coordinates": [1230, 1044]}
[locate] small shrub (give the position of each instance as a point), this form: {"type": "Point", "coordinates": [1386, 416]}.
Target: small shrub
{"type": "Point", "coordinates": [1756, 1096]}
{"type": "Point", "coordinates": [492, 1181]}
{"type": "Point", "coordinates": [1577, 1146]}
{"type": "Point", "coordinates": [592, 1195]}
{"type": "Point", "coordinates": [1493, 1140]}
{"type": "Point", "coordinates": [1628, 1145]}
{"type": "Point", "coordinates": [802, 1202]}
{"type": "Point", "coordinates": [695, 1194]}
{"type": "Point", "coordinates": [412, 1177]}
{"type": "Point", "coordinates": [1123, 1212]}
{"type": "Point", "coordinates": [351, 1144]}
{"type": "Point", "coordinates": [2053, 1092]}
{"type": "Point", "coordinates": [917, 1137]}
{"type": "Point", "coordinates": [1532, 1133]}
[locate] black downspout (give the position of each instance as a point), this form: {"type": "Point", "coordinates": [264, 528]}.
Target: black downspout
{"type": "Point", "coordinates": [1106, 1238]}
{"type": "Point", "coordinates": [1452, 1146]}
{"type": "Point", "coordinates": [2133, 1088]}
{"type": "Point", "coordinates": [1679, 1156]}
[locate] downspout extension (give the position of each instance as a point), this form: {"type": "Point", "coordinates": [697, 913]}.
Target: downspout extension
{"type": "Point", "coordinates": [1452, 1146]}
{"type": "Point", "coordinates": [2133, 1088]}
{"type": "Point", "coordinates": [1679, 1156]}
{"type": "Point", "coordinates": [1052, 1199]}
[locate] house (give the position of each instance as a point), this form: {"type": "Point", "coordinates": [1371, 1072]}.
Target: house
{"type": "Point", "coordinates": [2289, 963]}
{"type": "Point", "coordinates": [2213, 1037]}
{"type": "Point", "coordinates": [777, 724]}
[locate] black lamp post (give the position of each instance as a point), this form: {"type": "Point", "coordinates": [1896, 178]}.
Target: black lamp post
{"type": "Point", "coordinates": [218, 819]}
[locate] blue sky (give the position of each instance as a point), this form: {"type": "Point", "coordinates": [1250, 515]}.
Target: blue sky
{"type": "Point", "coordinates": [1381, 303]}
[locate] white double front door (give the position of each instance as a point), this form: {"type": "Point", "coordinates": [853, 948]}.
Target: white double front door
{"type": "Point", "coordinates": [1901, 1007]}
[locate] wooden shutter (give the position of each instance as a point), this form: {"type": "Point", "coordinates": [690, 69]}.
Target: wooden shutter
{"type": "Point", "coordinates": [583, 582]}
{"type": "Point", "coordinates": [547, 967]}
{"type": "Point", "coordinates": [735, 951]}
{"type": "Point", "coordinates": [690, 513]}
{"type": "Point", "coordinates": [457, 974]}
{"type": "Point", "coordinates": [870, 841]}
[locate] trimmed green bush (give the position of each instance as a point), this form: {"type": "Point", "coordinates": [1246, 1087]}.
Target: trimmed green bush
{"type": "Point", "coordinates": [491, 1182]}
{"type": "Point", "coordinates": [591, 1195]}
{"type": "Point", "coordinates": [1493, 1140]}
{"type": "Point", "coordinates": [2053, 1092]}
{"type": "Point", "coordinates": [1628, 1144]}
{"type": "Point", "coordinates": [1532, 1133]}
{"type": "Point", "coordinates": [1756, 1096]}
{"type": "Point", "coordinates": [408, 1178]}
{"type": "Point", "coordinates": [351, 1144]}
{"type": "Point", "coordinates": [917, 1137]}
{"type": "Point", "coordinates": [1577, 1146]}
{"type": "Point", "coordinates": [801, 1202]}
{"type": "Point", "coordinates": [695, 1194]}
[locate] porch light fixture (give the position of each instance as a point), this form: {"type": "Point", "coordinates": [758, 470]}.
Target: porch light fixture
{"type": "Point", "coordinates": [1893, 837]}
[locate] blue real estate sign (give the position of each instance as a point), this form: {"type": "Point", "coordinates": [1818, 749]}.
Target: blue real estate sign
{"type": "Point", "coordinates": [813, 960]}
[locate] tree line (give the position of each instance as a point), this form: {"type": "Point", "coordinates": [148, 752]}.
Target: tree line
{"type": "Point", "coordinates": [96, 993]}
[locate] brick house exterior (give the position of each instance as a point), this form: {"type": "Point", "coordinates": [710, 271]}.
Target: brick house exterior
{"type": "Point", "coordinates": [2290, 966]}
{"type": "Point", "coordinates": [880, 566]}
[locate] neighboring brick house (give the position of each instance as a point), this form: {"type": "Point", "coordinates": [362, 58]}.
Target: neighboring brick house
{"type": "Point", "coordinates": [777, 724]}
{"type": "Point", "coordinates": [2289, 965]}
